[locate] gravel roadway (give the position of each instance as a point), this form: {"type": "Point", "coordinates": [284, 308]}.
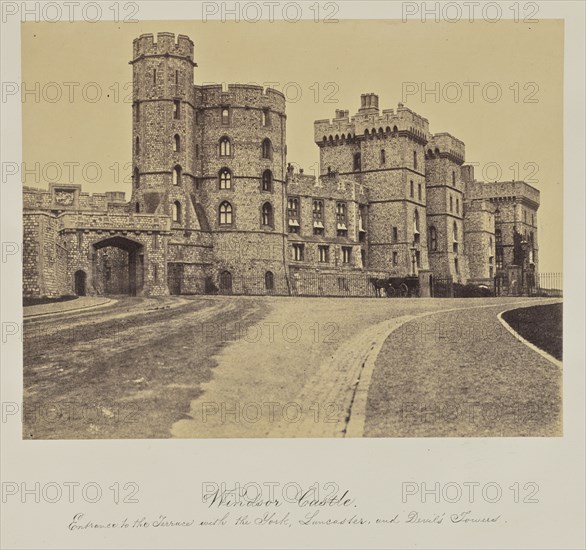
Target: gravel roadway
{"type": "Point", "coordinates": [222, 366]}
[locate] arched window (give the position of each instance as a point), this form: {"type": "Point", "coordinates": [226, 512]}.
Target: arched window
{"type": "Point", "coordinates": [177, 175]}
{"type": "Point", "coordinates": [225, 116]}
{"type": "Point", "coordinates": [357, 162]}
{"type": "Point", "coordinates": [267, 180]}
{"type": "Point", "coordinates": [269, 280]}
{"type": "Point", "coordinates": [432, 238]}
{"type": "Point", "coordinates": [176, 211]}
{"type": "Point", "coordinates": [225, 213]}
{"type": "Point", "coordinates": [136, 177]}
{"type": "Point", "coordinates": [267, 214]}
{"type": "Point", "coordinates": [176, 143]}
{"type": "Point", "coordinates": [383, 156]}
{"type": "Point", "coordinates": [267, 149]}
{"type": "Point", "coordinates": [225, 179]}
{"type": "Point", "coordinates": [225, 147]}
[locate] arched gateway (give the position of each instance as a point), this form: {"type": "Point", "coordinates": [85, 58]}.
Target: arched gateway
{"type": "Point", "coordinates": [118, 266]}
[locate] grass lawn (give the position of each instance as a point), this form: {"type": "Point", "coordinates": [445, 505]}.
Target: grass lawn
{"type": "Point", "coordinates": [541, 325]}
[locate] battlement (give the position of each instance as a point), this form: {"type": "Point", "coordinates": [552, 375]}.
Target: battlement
{"type": "Point", "coordinates": [445, 145]}
{"type": "Point", "coordinates": [251, 95]}
{"type": "Point", "coordinates": [369, 121]}
{"type": "Point", "coordinates": [517, 190]}
{"type": "Point", "coordinates": [166, 43]}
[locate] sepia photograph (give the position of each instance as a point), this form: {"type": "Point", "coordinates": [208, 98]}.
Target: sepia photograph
{"type": "Point", "coordinates": [226, 236]}
{"type": "Point", "coordinates": [292, 274]}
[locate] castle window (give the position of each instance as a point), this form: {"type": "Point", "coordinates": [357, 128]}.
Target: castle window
{"type": "Point", "coordinates": [176, 211]}
{"type": "Point", "coordinates": [137, 208]}
{"type": "Point", "coordinates": [197, 150]}
{"type": "Point", "coordinates": [318, 217]}
{"type": "Point", "coordinates": [346, 254]}
{"type": "Point", "coordinates": [499, 258]}
{"type": "Point", "coordinates": [267, 149]}
{"type": "Point", "coordinates": [457, 266]}
{"type": "Point", "coordinates": [176, 143]}
{"type": "Point", "coordinates": [453, 178]}
{"type": "Point", "coordinates": [418, 258]}
{"type": "Point", "coordinates": [357, 162]}
{"type": "Point", "coordinates": [267, 180]}
{"type": "Point", "coordinates": [490, 246]}
{"type": "Point", "coordinates": [136, 177]}
{"type": "Point", "coordinates": [176, 78]}
{"type": "Point", "coordinates": [451, 203]}
{"type": "Point", "coordinates": [225, 147]}
{"type": "Point", "coordinates": [361, 226]}
{"type": "Point", "coordinates": [293, 214]}
{"type": "Point", "coordinates": [498, 236]}
{"type": "Point", "coordinates": [137, 146]}
{"type": "Point", "coordinates": [457, 206]}
{"type": "Point", "coordinates": [414, 160]}
{"type": "Point", "coordinates": [177, 109]}
{"type": "Point", "coordinates": [225, 116]}
{"type": "Point", "coordinates": [225, 179]}
{"type": "Point", "coordinates": [383, 157]}
{"type": "Point", "coordinates": [341, 227]}
{"type": "Point", "coordinates": [267, 214]}
{"type": "Point", "coordinates": [155, 77]}
{"type": "Point", "coordinates": [419, 192]}
{"type": "Point", "coordinates": [455, 236]}
{"type": "Point", "coordinates": [411, 189]}
{"type": "Point", "coordinates": [324, 254]}
{"type": "Point", "coordinates": [297, 252]}
{"type": "Point", "coordinates": [395, 234]}
{"type": "Point", "coordinates": [177, 175]}
{"type": "Point", "coordinates": [266, 117]}
{"type": "Point", "coordinates": [395, 258]}
{"type": "Point", "coordinates": [225, 213]}
{"type": "Point", "coordinates": [269, 281]}
{"type": "Point", "coordinates": [432, 238]}
{"type": "Point", "coordinates": [416, 226]}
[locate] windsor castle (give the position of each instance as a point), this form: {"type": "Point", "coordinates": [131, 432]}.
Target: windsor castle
{"type": "Point", "coordinates": [215, 206]}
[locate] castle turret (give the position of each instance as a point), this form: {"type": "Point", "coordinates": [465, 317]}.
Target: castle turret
{"type": "Point", "coordinates": [163, 121]}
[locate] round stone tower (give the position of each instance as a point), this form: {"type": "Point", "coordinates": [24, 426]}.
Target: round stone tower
{"type": "Point", "coordinates": [241, 162]}
{"type": "Point", "coordinates": [162, 129]}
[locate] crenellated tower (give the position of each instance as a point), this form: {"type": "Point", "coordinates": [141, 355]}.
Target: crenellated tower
{"type": "Point", "coordinates": [385, 152]}
{"type": "Point", "coordinates": [162, 130]}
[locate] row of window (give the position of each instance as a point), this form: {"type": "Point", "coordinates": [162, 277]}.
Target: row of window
{"type": "Point", "coordinates": [298, 253]}
{"type": "Point", "coordinates": [224, 178]}
{"type": "Point", "coordinates": [265, 114]}
{"type": "Point", "coordinates": [225, 148]}
{"type": "Point", "coordinates": [294, 218]}
{"type": "Point", "coordinates": [226, 117]}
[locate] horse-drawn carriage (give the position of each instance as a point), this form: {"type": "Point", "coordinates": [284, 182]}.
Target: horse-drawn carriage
{"type": "Point", "coordinates": [400, 287]}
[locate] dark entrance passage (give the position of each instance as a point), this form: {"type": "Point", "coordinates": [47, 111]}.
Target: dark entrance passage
{"type": "Point", "coordinates": [118, 266]}
{"type": "Point", "coordinates": [80, 278]}
{"type": "Point", "coordinates": [174, 277]}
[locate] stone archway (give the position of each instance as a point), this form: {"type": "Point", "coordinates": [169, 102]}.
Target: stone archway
{"type": "Point", "coordinates": [118, 266]}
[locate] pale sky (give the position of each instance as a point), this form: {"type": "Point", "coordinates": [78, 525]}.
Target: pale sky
{"type": "Point", "coordinates": [329, 66]}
